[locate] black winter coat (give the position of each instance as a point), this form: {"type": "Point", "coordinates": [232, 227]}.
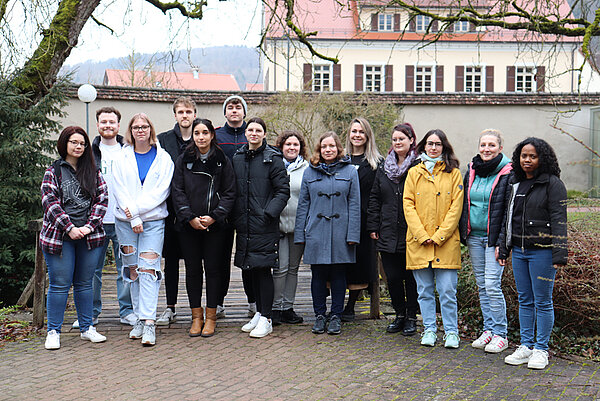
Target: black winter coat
{"type": "Point", "coordinates": [263, 191]}
{"type": "Point", "coordinates": [201, 188]}
{"type": "Point", "coordinates": [386, 213]}
{"type": "Point", "coordinates": [496, 210]}
{"type": "Point", "coordinates": [544, 218]}
{"type": "Point", "coordinates": [98, 153]}
{"type": "Point", "coordinates": [172, 142]}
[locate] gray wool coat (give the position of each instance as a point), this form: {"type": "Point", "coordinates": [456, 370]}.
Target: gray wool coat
{"type": "Point", "coordinates": [328, 215]}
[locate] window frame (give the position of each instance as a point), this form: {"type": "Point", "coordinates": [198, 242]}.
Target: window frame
{"type": "Point", "coordinates": [482, 81]}
{"type": "Point", "coordinates": [424, 20]}
{"type": "Point", "coordinates": [383, 19]}
{"type": "Point", "coordinates": [432, 82]}
{"type": "Point", "coordinates": [381, 67]}
{"type": "Point", "coordinates": [462, 26]}
{"type": "Point", "coordinates": [319, 82]}
{"type": "Point", "coordinates": [525, 74]}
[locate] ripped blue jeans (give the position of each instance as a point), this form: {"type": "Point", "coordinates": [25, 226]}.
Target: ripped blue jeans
{"type": "Point", "coordinates": [141, 255]}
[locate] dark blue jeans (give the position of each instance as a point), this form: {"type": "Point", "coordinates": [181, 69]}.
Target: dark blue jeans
{"type": "Point", "coordinates": [336, 275]}
{"type": "Point", "coordinates": [75, 265]}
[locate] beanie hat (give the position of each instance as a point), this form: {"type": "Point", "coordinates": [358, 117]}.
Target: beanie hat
{"type": "Point", "coordinates": [241, 99]}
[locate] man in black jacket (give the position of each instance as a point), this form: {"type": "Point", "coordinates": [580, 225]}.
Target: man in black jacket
{"type": "Point", "coordinates": [230, 138]}
{"type": "Point", "coordinates": [174, 142]}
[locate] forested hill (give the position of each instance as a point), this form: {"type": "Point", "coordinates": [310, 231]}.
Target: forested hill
{"type": "Point", "coordinates": [242, 62]}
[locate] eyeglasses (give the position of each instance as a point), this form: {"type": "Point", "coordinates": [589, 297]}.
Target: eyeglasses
{"type": "Point", "coordinates": [76, 144]}
{"type": "Point", "coordinates": [434, 144]}
{"type": "Point", "coordinates": [140, 127]}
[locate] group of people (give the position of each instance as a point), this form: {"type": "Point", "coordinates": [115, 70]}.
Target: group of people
{"type": "Point", "coordinates": [184, 193]}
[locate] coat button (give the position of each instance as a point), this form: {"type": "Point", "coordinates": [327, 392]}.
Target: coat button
{"type": "Point", "coordinates": [437, 260]}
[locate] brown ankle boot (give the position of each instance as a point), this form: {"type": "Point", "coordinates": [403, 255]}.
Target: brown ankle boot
{"type": "Point", "coordinates": [211, 322]}
{"type": "Point", "coordinates": [197, 322]}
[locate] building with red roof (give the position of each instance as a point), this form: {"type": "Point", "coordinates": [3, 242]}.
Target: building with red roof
{"type": "Point", "coordinates": [171, 80]}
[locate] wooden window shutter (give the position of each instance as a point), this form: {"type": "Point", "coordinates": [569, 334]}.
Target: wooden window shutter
{"type": "Point", "coordinates": [459, 78]}
{"type": "Point", "coordinates": [510, 78]}
{"type": "Point", "coordinates": [471, 27]}
{"type": "Point", "coordinates": [540, 78]}
{"type": "Point", "coordinates": [489, 78]}
{"type": "Point", "coordinates": [450, 27]}
{"type": "Point", "coordinates": [412, 25]}
{"type": "Point", "coordinates": [337, 77]}
{"type": "Point", "coordinates": [410, 78]}
{"type": "Point", "coordinates": [439, 78]}
{"type": "Point", "coordinates": [389, 78]}
{"type": "Point", "coordinates": [374, 22]}
{"type": "Point", "coordinates": [434, 26]}
{"type": "Point", "coordinates": [307, 77]}
{"type": "Point", "coordinates": [358, 77]}
{"type": "Point", "coordinates": [396, 22]}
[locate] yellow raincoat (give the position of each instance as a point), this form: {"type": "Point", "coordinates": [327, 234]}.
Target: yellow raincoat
{"type": "Point", "coordinates": [432, 207]}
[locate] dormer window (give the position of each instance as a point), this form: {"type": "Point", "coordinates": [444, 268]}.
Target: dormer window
{"type": "Point", "coordinates": [422, 23]}
{"type": "Point", "coordinates": [385, 22]}
{"type": "Point", "coordinates": [462, 26]}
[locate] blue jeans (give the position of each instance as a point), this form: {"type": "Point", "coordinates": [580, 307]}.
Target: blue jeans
{"type": "Point", "coordinates": [123, 294]}
{"type": "Point", "coordinates": [444, 280]}
{"type": "Point", "coordinates": [336, 275]}
{"type": "Point", "coordinates": [488, 275]}
{"type": "Point", "coordinates": [75, 265]}
{"type": "Point", "coordinates": [144, 285]}
{"type": "Point", "coordinates": [534, 277]}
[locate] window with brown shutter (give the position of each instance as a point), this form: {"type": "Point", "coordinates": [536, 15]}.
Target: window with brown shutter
{"type": "Point", "coordinates": [510, 78]}
{"type": "Point", "coordinates": [409, 78]}
{"type": "Point", "coordinates": [412, 25]}
{"type": "Point", "coordinates": [307, 77]}
{"type": "Point", "coordinates": [337, 77]}
{"type": "Point", "coordinates": [389, 78]}
{"type": "Point", "coordinates": [358, 77]}
{"type": "Point", "coordinates": [374, 21]}
{"type": "Point", "coordinates": [459, 78]}
{"type": "Point", "coordinates": [489, 78]}
{"type": "Point", "coordinates": [540, 78]}
{"type": "Point", "coordinates": [439, 78]}
{"type": "Point", "coordinates": [434, 26]}
{"type": "Point", "coordinates": [397, 23]}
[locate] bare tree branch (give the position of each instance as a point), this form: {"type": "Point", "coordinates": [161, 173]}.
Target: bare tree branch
{"type": "Point", "coordinates": [100, 23]}
{"type": "Point", "coordinates": [195, 10]}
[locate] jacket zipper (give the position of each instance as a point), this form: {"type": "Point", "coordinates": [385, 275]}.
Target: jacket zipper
{"type": "Point", "coordinates": [210, 188]}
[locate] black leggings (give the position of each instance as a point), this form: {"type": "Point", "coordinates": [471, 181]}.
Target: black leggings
{"type": "Point", "coordinates": [200, 246]}
{"type": "Point", "coordinates": [262, 282]}
{"type": "Point", "coordinates": [401, 284]}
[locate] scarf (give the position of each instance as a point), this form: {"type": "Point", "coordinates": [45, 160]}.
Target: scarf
{"type": "Point", "coordinates": [391, 168]}
{"type": "Point", "coordinates": [429, 162]}
{"type": "Point", "coordinates": [485, 169]}
{"type": "Point", "coordinates": [291, 166]}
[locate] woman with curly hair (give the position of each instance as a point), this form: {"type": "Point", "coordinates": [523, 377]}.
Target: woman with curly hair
{"type": "Point", "coordinates": [536, 230]}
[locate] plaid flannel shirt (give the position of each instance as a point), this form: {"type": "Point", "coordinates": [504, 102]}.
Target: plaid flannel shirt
{"type": "Point", "coordinates": [57, 223]}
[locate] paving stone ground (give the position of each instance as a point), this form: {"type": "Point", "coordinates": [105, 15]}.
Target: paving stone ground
{"type": "Point", "coordinates": [363, 363]}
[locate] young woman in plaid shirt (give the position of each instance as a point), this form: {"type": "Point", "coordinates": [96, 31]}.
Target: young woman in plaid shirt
{"type": "Point", "coordinates": [74, 199]}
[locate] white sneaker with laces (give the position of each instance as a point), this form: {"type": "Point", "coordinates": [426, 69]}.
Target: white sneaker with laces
{"type": "Point", "coordinates": [483, 340]}
{"type": "Point", "coordinates": [251, 309]}
{"type": "Point", "coordinates": [76, 323]}
{"type": "Point", "coordinates": [137, 331]}
{"type": "Point", "coordinates": [497, 345]}
{"type": "Point", "coordinates": [538, 359]}
{"type": "Point", "coordinates": [52, 340]}
{"type": "Point", "coordinates": [149, 336]}
{"type": "Point", "coordinates": [263, 328]}
{"type": "Point", "coordinates": [92, 335]}
{"type": "Point", "coordinates": [220, 311]}
{"type": "Point", "coordinates": [129, 319]}
{"type": "Point", "coordinates": [248, 327]}
{"type": "Point", "coordinates": [520, 356]}
{"type": "Point", "coordinates": [166, 318]}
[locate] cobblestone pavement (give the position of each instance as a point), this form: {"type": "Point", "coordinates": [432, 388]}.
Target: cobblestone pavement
{"type": "Point", "coordinates": [363, 363]}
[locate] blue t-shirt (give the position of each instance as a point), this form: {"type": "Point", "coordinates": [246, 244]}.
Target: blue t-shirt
{"type": "Point", "coordinates": [144, 161]}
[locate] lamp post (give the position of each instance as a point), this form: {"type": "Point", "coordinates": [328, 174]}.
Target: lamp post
{"type": "Point", "coordinates": [87, 94]}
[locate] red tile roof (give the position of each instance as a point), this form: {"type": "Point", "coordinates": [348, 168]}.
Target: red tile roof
{"type": "Point", "coordinates": [171, 80]}
{"type": "Point", "coordinates": [255, 87]}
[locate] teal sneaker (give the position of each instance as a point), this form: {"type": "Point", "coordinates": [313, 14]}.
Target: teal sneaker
{"type": "Point", "coordinates": [428, 338]}
{"type": "Point", "coordinates": [452, 340]}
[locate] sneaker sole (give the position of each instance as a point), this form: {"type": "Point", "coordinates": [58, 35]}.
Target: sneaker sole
{"type": "Point", "coordinates": [477, 346]}
{"type": "Point", "coordinates": [452, 346]}
{"type": "Point", "coordinates": [495, 350]}
{"type": "Point", "coordinates": [516, 362]}
{"type": "Point", "coordinates": [428, 344]}
{"type": "Point", "coordinates": [333, 333]}
{"type": "Point", "coordinates": [148, 344]}
{"type": "Point", "coordinates": [536, 367]}
{"type": "Point", "coordinates": [93, 341]}
{"type": "Point", "coordinates": [163, 323]}
{"type": "Point", "coordinates": [260, 335]}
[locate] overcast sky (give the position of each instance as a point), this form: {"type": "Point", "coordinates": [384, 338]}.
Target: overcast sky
{"type": "Point", "coordinates": [145, 29]}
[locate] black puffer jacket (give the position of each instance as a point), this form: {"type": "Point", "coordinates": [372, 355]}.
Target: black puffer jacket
{"type": "Point", "coordinates": [201, 188]}
{"type": "Point", "coordinates": [263, 191]}
{"type": "Point", "coordinates": [544, 218]}
{"type": "Point", "coordinates": [172, 142]}
{"type": "Point", "coordinates": [386, 214]}
{"type": "Point", "coordinates": [496, 209]}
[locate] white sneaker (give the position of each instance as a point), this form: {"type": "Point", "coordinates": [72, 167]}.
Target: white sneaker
{"type": "Point", "coordinates": [483, 340]}
{"type": "Point", "coordinates": [263, 328]}
{"type": "Point", "coordinates": [248, 327]}
{"type": "Point", "coordinates": [220, 311]}
{"type": "Point", "coordinates": [92, 335]}
{"type": "Point", "coordinates": [497, 345]}
{"type": "Point", "coordinates": [129, 319]}
{"type": "Point", "coordinates": [520, 356]}
{"type": "Point", "coordinates": [52, 340]}
{"type": "Point", "coordinates": [149, 336]}
{"type": "Point", "coordinates": [251, 309]}
{"type": "Point", "coordinates": [167, 317]}
{"type": "Point", "coordinates": [538, 359]}
{"type": "Point", "coordinates": [76, 323]}
{"type": "Point", "coordinates": [137, 331]}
